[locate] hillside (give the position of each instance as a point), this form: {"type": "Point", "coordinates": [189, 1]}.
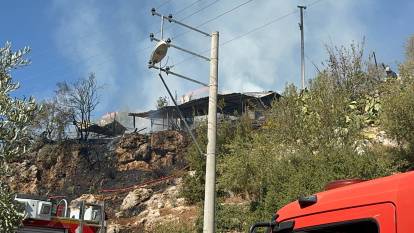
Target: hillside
{"type": "Point", "coordinates": [109, 170]}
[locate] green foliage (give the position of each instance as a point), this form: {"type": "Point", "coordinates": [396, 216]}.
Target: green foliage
{"type": "Point", "coordinates": [162, 101]}
{"type": "Point", "coordinates": [10, 217]}
{"type": "Point", "coordinates": [397, 105]}
{"type": "Point", "coordinates": [398, 111]}
{"type": "Point", "coordinates": [349, 71]}
{"type": "Point", "coordinates": [302, 174]}
{"type": "Point", "coordinates": [233, 217]}
{"type": "Point", "coordinates": [15, 116]}
{"type": "Point", "coordinates": [193, 188]}
{"type": "Point", "coordinates": [407, 68]}
{"type": "Point", "coordinates": [52, 120]}
{"type": "Point", "coordinates": [309, 138]}
{"type": "Point", "coordinates": [174, 227]}
{"type": "Point", "coordinates": [14, 113]}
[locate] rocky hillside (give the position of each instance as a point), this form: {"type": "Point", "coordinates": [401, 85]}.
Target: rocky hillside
{"type": "Point", "coordinates": [111, 170]}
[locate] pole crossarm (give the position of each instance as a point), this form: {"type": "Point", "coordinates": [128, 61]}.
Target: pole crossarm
{"type": "Point", "coordinates": [179, 48]}
{"type": "Point", "coordinates": [172, 20]}
{"type": "Point", "coordinates": [167, 71]}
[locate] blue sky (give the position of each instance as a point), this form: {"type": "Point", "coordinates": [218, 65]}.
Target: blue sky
{"type": "Point", "coordinates": [71, 38]}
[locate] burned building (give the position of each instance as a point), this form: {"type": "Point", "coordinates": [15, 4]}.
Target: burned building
{"type": "Point", "coordinates": [235, 104]}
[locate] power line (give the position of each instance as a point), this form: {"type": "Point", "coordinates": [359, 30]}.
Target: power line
{"type": "Point", "coordinates": [259, 28]}
{"type": "Point", "coordinates": [186, 59]}
{"type": "Point", "coordinates": [163, 4]}
{"type": "Point", "coordinates": [251, 31]}
{"type": "Point", "coordinates": [243, 35]}
{"type": "Point", "coordinates": [314, 3]}
{"type": "Point", "coordinates": [216, 17]}
{"type": "Point", "coordinates": [196, 12]}
{"type": "Point", "coordinates": [224, 13]}
{"type": "Point", "coordinates": [188, 6]}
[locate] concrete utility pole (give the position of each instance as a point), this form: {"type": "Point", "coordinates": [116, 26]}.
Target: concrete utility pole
{"type": "Point", "coordinates": [302, 46]}
{"type": "Point", "coordinates": [158, 54]}
{"type": "Point", "coordinates": [210, 185]}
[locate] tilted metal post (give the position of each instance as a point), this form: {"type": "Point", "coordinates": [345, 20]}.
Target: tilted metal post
{"type": "Point", "coordinates": [210, 185]}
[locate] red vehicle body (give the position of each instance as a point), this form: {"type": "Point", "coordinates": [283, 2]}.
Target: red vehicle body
{"type": "Point", "coordinates": [381, 205]}
{"type": "Point", "coordinates": [57, 224]}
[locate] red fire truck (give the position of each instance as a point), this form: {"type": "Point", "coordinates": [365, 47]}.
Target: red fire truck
{"type": "Point", "coordinates": [382, 205]}
{"type": "Point", "coordinates": [53, 215]}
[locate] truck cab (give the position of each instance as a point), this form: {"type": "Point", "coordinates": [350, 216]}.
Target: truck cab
{"type": "Point", "coordinates": [382, 205]}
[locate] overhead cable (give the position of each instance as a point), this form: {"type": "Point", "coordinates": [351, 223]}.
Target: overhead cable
{"type": "Point", "coordinates": [243, 35]}
{"type": "Point", "coordinates": [196, 12]}
{"type": "Point", "coordinates": [186, 7]}
{"type": "Point", "coordinates": [216, 17]}
{"type": "Point", "coordinates": [250, 31]}
{"type": "Point", "coordinates": [163, 4]}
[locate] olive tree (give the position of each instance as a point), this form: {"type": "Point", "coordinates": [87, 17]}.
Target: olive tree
{"type": "Point", "coordinates": [15, 116]}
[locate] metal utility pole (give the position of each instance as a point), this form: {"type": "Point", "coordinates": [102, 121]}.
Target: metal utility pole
{"type": "Point", "coordinates": [210, 185]}
{"type": "Point", "coordinates": [302, 46]}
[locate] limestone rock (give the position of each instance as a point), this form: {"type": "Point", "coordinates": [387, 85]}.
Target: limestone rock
{"type": "Point", "coordinates": [135, 165]}
{"type": "Point", "coordinates": [88, 198]}
{"type": "Point", "coordinates": [113, 228]}
{"type": "Point", "coordinates": [168, 140]}
{"type": "Point", "coordinates": [126, 157]}
{"type": "Point", "coordinates": [136, 197]}
{"type": "Point", "coordinates": [132, 141]}
{"type": "Point", "coordinates": [143, 153]}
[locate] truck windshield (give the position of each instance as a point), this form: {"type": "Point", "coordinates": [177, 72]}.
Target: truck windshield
{"type": "Point", "coordinates": [360, 226]}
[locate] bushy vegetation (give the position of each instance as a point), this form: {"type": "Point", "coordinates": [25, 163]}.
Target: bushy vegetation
{"type": "Point", "coordinates": [181, 227]}
{"type": "Point", "coordinates": [310, 138]}
{"type": "Point", "coordinates": [398, 109]}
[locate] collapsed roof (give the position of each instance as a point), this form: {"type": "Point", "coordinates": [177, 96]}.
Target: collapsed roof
{"type": "Point", "coordinates": [228, 104]}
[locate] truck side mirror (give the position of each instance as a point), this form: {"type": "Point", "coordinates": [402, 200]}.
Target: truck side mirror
{"type": "Point", "coordinates": [283, 227]}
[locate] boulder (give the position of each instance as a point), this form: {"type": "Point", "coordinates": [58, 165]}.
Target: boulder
{"type": "Point", "coordinates": [143, 153]}
{"type": "Point", "coordinates": [168, 160]}
{"type": "Point", "coordinates": [136, 197]}
{"type": "Point", "coordinates": [88, 198]}
{"type": "Point", "coordinates": [168, 140]}
{"type": "Point", "coordinates": [126, 157]}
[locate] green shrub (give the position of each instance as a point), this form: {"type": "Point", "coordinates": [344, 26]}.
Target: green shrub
{"type": "Point", "coordinates": [174, 227]}
{"type": "Point", "coordinates": [228, 130]}
{"type": "Point", "coordinates": [310, 138]}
